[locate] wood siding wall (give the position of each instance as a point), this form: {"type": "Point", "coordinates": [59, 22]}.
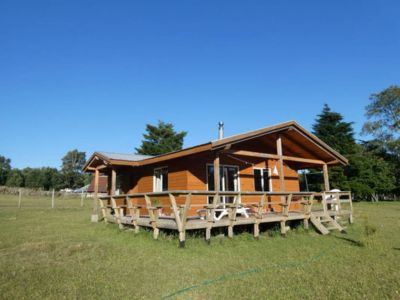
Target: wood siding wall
{"type": "Point", "coordinates": [190, 173]}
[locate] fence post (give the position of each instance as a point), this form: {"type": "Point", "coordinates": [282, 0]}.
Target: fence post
{"type": "Point", "coordinates": [19, 198]}
{"type": "Point", "coordinates": [82, 199]}
{"type": "Point", "coordinates": [52, 199]}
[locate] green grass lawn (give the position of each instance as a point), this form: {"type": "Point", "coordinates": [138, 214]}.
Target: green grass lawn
{"type": "Point", "coordinates": [58, 253]}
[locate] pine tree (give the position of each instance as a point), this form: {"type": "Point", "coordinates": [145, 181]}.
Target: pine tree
{"type": "Point", "coordinates": [330, 127]}
{"type": "Point", "coordinates": [161, 139]}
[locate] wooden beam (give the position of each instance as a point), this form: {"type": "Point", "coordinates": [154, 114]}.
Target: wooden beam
{"type": "Point", "coordinates": [301, 146]}
{"type": "Point", "coordinates": [280, 162]}
{"type": "Point", "coordinates": [325, 148]}
{"type": "Point", "coordinates": [326, 177]}
{"type": "Point", "coordinates": [275, 156]}
{"type": "Point", "coordinates": [216, 173]}
{"type": "Point", "coordinates": [95, 216]}
{"type": "Point", "coordinates": [113, 181]}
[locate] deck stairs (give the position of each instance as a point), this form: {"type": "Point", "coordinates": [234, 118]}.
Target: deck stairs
{"type": "Point", "coordinates": [325, 223]}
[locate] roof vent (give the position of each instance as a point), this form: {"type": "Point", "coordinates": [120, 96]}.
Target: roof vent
{"type": "Point", "coordinates": [220, 130]}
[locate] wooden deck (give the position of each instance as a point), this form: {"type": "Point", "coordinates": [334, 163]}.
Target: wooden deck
{"type": "Point", "coordinates": [144, 210]}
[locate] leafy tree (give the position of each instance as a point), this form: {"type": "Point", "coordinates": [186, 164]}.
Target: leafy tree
{"type": "Point", "coordinates": [383, 114]}
{"type": "Point", "coordinates": [15, 178]}
{"type": "Point", "coordinates": [368, 174]}
{"type": "Point", "coordinates": [32, 178]}
{"type": "Point", "coordinates": [5, 168]}
{"type": "Point", "coordinates": [72, 164]}
{"type": "Point", "coordinates": [51, 178]}
{"type": "Point", "coordinates": [161, 139]}
{"type": "Point", "coordinates": [383, 123]}
{"type": "Point", "coordinates": [42, 178]}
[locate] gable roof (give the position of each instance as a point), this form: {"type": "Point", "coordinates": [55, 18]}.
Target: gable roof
{"type": "Point", "coordinates": [291, 126]}
{"type": "Point", "coordinates": [124, 156]}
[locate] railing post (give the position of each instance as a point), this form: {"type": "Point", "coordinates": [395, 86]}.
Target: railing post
{"type": "Point", "coordinates": [180, 222]}
{"type": "Point", "coordinates": [259, 216]}
{"type": "Point", "coordinates": [232, 214]}
{"type": "Point", "coordinates": [339, 207]}
{"type": "Point", "coordinates": [153, 216]}
{"type": "Point", "coordinates": [210, 217]}
{"type": "Point", "coordinates": [324, 204]}
{"type": "Point", "coordinates": [117, 213]}
{"type": "Point", "coordinates": [307, 211]}
{"type": "Point", "coordinates": [103, 210]}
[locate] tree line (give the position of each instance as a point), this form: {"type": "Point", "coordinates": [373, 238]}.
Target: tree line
{"type": "Point", "coordinates": [374, 164]}
{"type": "Point", "coordinates": [373, 170]}
{"type": "Point", "coordinates": [70, 174]}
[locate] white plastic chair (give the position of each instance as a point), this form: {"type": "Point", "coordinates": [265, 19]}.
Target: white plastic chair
{"type": "Point", "coordinates": [224, 212]}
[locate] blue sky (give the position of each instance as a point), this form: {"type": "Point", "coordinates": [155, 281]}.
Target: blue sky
{"type": "Point", "coordinates": [90, 74]}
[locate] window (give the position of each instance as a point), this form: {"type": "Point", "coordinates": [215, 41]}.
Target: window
{"type": "Point", "coordinates": [160, 179]}
{"type": "Point", "coordinates": [262, 180]}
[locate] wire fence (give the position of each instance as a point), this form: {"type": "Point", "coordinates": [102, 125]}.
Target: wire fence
{"type": "Point", "coordinates": [26, 198]}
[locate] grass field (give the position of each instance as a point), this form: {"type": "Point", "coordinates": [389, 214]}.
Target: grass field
{"type": "Point", "coordinates": [58, 253]}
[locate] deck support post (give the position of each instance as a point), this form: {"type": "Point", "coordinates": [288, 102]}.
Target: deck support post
{"type": "Point", "coordinates": [305, 222]}
{"type": "Point", "coordinates": [95, 215]}
{"type": "Point", "coordinates": [136, 218]}
{"type": "Point", "coordinates": [283, 227]}
{"type": "Point", "coordinates": [326, 177]}
{"type": "Point", "coordinates": [230, 231]}
{"type": "Point", "coordinates": [257, 229]}
{"type": "Point", "coordinates": [208, 235]}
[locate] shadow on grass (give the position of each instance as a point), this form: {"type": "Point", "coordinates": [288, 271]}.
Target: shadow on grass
{"type": "Point", "coordinates": [351, 241]}
{"type": "Point", "coordinates": [396, 248]}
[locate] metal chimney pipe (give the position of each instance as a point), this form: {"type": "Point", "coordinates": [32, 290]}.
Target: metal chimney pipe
{"type": "Point", "coordinates": [220, 130]}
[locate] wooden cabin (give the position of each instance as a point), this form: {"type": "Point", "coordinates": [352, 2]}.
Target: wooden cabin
{"type": "Point", "coordinates": [236, 172]}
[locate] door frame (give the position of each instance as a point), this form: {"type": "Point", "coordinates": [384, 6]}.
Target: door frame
{"type": "Point", "coordinates": [223, 198]}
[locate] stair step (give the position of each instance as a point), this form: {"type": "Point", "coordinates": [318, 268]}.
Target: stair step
{"type": "Point", "coordinates": [331, 228]}
{"type": "Point", "coordinates": [325, 221]}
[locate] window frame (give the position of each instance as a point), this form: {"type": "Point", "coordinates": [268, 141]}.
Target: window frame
{"type": "Point", "coordinates": [223, 165]}
{"type": "Point", "coordinates": [223, 199]}
{"type": "Point", "coordinates": [162, 179]}
{"type": "Point", "coordinates": [262, 178]}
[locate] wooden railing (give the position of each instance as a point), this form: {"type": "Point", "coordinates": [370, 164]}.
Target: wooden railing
{"type": "Point", "coordinates": [186, 206]}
